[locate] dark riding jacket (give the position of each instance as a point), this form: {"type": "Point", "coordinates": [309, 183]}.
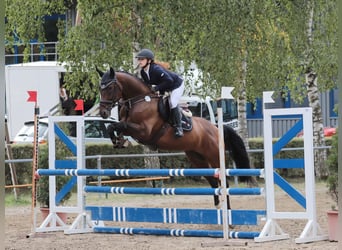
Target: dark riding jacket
{"type": "Point", "coordinates": [164, 80]}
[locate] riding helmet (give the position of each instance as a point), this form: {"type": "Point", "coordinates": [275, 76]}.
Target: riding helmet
{"type": "Point", "coordinates": [145, 53]}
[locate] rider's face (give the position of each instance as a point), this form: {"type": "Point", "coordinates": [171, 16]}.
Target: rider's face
{"type": "Point", "coordinates": [142, 62]}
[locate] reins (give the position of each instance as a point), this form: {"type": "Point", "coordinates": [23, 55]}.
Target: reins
{"type": "Point", "coordinates": [129, 103]}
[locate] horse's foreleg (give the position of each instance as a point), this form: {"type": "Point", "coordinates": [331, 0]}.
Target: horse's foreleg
{"type": "Point", "coordinates": [116, 132]}
{"type": "Point", "coordinates": [124, 127]}
{"type": "Point", "coordinates": [121, 127]}
{"type": "Point", "coordinates": [138, 131]}
{"type": "Point", "coordinates": [112, 134]}
{"type": "Point", "coordinates": [118, 127]}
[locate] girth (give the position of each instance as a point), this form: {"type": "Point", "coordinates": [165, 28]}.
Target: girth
{"type": "Point", "coordinates": [155, 138]}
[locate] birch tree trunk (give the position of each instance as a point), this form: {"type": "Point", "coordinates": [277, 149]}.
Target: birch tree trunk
{"type": "Point", "coordinates": [242, 102]}
{"type": "Point", "coordinates": [313, 97]}
{"type": "Point", "coordinates": [318, 133]}
{"type": "Point", "coordinates": [242, 113]}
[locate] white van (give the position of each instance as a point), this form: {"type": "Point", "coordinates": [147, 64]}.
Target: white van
{"type": "Point", "coordinates": [207, 108]}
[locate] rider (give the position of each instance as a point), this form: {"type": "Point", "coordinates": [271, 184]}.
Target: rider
{"type": "Point", "coordinates": [162, 81]}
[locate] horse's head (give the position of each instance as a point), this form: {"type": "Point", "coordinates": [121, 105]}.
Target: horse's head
{"type": "Point", "coordinates": [110, 91]}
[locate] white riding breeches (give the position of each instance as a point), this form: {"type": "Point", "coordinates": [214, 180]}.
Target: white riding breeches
{"type": "Point", "coordinates": [175, 96]}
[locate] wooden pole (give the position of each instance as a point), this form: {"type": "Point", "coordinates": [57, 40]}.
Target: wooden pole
{"type": "Point", "coordinates": [18, 186]}
{"type": "Point", "coordinates": [223, 179]}
{"type": "Point", "coordinates": [11, 165]}
{"type": "Point", "coordinates": [34, 168]}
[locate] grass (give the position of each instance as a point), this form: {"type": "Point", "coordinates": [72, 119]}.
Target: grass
{"type": "Point", "coordinates": [23, 199]}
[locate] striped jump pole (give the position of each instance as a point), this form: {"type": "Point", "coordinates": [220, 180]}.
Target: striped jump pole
{"type": "Point", "coordinates": [173, 191]}
{"type": "Point", "coordinates": [173, 215]}
{"type": "Point", "coordinates": [245, 172]}
{"type": "Point", "coordinates": [148, 172]}
{"type": "Point", "coordinates": [175, 232]}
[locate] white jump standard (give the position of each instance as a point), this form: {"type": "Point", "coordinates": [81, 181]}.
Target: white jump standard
{"type": "Point", "coordinates": [272, 230]}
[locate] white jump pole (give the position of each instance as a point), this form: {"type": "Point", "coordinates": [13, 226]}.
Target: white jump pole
{"type": "Point", "coordinates": [225, 94]}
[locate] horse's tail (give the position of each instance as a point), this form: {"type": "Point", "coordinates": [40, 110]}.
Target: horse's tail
{"type": "Point", "coordinates": [237, 150]}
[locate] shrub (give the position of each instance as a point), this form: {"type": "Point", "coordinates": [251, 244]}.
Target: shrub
{"type": "Point", "coordinates": [43, 183]}
{"type": "Point", "coordinates": [332, 180]}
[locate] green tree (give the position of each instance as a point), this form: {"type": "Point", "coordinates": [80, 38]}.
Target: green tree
{"type": "Point", "coordinates": [24, 23]}
{"type": "Point", "coordinates": [311, 27]}
{"type": "Point", "coordinates": [248, 44]}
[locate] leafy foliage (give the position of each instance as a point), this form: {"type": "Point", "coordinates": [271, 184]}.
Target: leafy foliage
{"type": "Point", "coordinates": [317, 52]}
{"type": "Point", "coordinates": [26, 23]}
{"type": "Point", "coordinates": [269, 36]}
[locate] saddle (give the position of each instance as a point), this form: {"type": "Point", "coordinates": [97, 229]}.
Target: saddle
{"type": "Point", "coordinates": [164, 111]}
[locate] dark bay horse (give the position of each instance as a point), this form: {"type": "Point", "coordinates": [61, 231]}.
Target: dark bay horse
{"type": "Point", "coordinates": [140, 118]}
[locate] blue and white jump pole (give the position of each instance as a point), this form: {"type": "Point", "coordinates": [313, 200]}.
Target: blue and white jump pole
{"type": "Point", "coordinates": [149, 172]}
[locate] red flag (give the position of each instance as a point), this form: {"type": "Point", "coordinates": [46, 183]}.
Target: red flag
{"type": "Point", "coordinates": [32, 96]}
{"type": "Point", "coordinates": [79, 105]}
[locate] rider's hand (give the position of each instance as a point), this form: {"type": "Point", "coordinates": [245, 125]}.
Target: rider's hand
{"type": "Point", "coordinates": [154, 88]}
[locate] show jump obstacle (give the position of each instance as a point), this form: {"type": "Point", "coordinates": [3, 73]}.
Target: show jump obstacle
{"type": "Point", "coordinates": [94, 223]}
{"type": "Point", "coordinates": [272, 231]}
{"type": "Point", "coordinates": [91, 218]}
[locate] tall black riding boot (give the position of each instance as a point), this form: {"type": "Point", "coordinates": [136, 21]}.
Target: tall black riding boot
{"type": "Point", "coordinates": [177, 123]}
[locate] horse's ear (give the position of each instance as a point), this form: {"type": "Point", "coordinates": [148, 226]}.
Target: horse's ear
{"type": "Point", "coordinates": [99, 71]}
{"type": "Point", "coordinates": [112, 73]}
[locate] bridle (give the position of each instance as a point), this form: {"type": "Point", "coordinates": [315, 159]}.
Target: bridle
{"type": "Point", "coordinates": [109, 104]}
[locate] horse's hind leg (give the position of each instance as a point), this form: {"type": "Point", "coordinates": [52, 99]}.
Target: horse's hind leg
{"type": "Point", "coordinates": [214, 183]}
{"type": "Point", "coordinates": [198, 161]}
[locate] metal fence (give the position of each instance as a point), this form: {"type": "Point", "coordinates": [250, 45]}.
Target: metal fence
{"type": "Point", "coordinates": [99, 158]}
{"type": "Point", "coordinates": [44, 51]}
{"type": "Point", "coordinates": [279, 126]}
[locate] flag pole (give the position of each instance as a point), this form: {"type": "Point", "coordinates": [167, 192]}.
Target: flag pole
{"type": "Point", "coordinates": [33, 98]}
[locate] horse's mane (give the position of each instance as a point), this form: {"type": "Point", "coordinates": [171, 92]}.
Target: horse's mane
{"type": "Point", "coordinates": [134, 76]}
{"type": "Point", "coordinates": [165, 65]}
